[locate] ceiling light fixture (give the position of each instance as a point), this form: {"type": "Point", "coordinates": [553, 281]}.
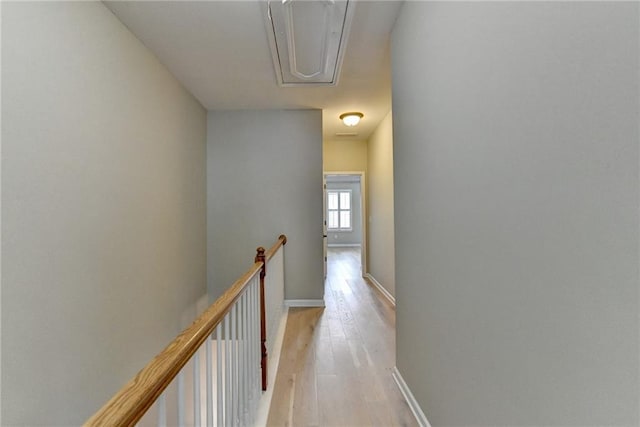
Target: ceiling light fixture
{"type": "Point", "coordinates": [351, 119]}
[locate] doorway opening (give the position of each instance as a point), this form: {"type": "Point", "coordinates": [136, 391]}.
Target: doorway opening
{"type": "Point", "coordinates": [345, 215]}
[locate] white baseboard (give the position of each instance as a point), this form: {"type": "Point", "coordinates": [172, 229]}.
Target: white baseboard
{"type": "Point", "coordinates": [344, 245]}
{"type": "Point", "coordinates": [411, 401]}
{"type": "Point", "coordinates": [273, 363]}
{"type": "Point", "coordinates": [304, 303]}
{"type": "Point", "coordinates": [381, 288]}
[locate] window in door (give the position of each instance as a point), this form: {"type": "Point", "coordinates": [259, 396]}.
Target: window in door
{"type": "Point", "coordinates": [339, 210]}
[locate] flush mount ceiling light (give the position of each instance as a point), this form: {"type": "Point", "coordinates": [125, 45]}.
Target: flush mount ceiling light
{"type": "Point", "coordinates": [308, 39]}
{"type": "Point", "coordinates": [351, 119]}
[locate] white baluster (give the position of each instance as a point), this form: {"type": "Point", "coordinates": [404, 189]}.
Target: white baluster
{"type": "Point", "coordinates": [234, 365]}
{"type": "Point", "coordinates": [259, 338]}
{"type": "Point", "coordinates": [250, 339]}
{"type": "Point", "coordinates": [181, 408]}
{"type": "Point", "coordinates": [243, 361]}
{"type": "Point", "coordinates": [162, 411]}
{"type": "Point", "coordinates": [245, 356]}
{"type": "Point", "coordinates": [209, 382]}
{"type": "Point", "coordinates": [256, 338]}
{"type": "Point", "coordinates": [239, 360]}
{"type": "Point", "coordinates": [196, 389]}
{"type": "Point", "coordinates": [251, 344]}
{"type": "Point", "coordinates": [227, 371]}
{"type": "Point", "coordinates": [219, 391]}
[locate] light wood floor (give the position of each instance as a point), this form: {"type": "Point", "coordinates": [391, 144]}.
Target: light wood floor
{"type": "Point", "coordinates": [335, 366]}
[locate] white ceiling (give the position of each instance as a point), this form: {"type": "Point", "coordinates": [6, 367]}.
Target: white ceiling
{"type": "Point", "coordinates": [220, 52]}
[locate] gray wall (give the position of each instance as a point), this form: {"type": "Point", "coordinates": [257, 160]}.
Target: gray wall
{"type": "Point", "coordinates": [380, 241]}
{"type": "Point", "coordinates": [264, 178]}
{"type": "Point", "coordinates": [516, 186]}
{"type": "Point", "coordinates": [353, 237]}
{"type": "Point", "coordinates": [103, 209]}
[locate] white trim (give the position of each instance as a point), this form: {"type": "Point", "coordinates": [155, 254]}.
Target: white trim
{"type": "Point", "coordinates": [381, 288]}
{"type": "Point", "coordinates": [344, 245]}
{"type": "Point", "coordinates": [304, 303]}
{"type": "Point", "coordinates": [273, 363]}
{"type": "Point", "coordinates": [411, 400]}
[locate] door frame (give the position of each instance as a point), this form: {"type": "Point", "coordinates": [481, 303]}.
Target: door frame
{"type": "Point", "coordinates": [363, 211]}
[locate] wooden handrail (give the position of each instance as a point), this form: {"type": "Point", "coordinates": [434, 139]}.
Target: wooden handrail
{"type": "Point", "coordinates": [282, 240]}
{"type": "Point", "coordinates": [129, 404]}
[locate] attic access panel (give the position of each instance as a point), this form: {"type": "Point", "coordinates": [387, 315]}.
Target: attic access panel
{"type": "Point", "coordinates": [308, 39]}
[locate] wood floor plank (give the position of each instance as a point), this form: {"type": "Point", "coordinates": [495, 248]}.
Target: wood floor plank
{"type": "Point", "coordinates": [325, 363]}
{"type": "Point", "coordinates": [336, 362]}
{"type": "Point", "coordinates": [305, 404]}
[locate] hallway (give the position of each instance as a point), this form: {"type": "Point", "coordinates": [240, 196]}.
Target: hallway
{"type": "Point", "coordinates": [336, 362]}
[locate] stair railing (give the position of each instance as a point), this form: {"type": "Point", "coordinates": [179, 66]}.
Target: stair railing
{"type": "Point", "coordinates": [181, 382]}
